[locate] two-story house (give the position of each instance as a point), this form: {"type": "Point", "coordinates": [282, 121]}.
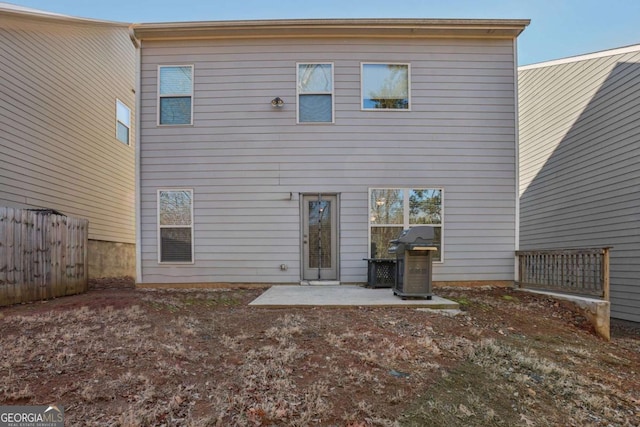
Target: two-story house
{"type": "Point", "coordinates": [67, 113]}
{"type": "Point", "coordinates": [288, 151]}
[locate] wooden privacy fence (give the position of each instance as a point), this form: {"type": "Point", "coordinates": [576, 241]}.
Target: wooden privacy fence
{"type": "Point", "coordinates": [42, 255]}
{"type": "Point", "coordinates": [574, 271]}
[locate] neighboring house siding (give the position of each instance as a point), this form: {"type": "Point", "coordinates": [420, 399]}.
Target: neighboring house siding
{"type": "Point", "coordinates": [59, 80]}
{"type": "Point", "coordinates": [580, 163]}
{"type": "Point", "coordinates": [242, 157]}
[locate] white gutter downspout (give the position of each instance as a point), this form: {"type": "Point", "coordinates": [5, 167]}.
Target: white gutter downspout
{"type": "Point", "coordinates": [517, 154]}
{"type": "Point", "coordinates": [138, 46]}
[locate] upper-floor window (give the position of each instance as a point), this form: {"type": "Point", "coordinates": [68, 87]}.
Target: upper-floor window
{"type": "Point", "coordinates": [123, 122]}
{"type": "Point", "coordinates": [315, 93]}
{"type": "Point", "coordinates": [385, 86]}
{"type": "Point", "coordinates": [175, 95]}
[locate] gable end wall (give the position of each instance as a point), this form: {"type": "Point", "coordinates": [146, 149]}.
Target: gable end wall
{"type": "Point", "coordinates": [580, 164]}
{"type": "Point", "coordinates": [58, 149]}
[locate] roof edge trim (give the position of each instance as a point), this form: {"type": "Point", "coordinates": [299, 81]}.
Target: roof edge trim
{"type": "Point", "coordinates": [472, 28]}
{"type": "Point", "coordinates": [8, 9]}
{"type": "Point", "coordinates": [583, 57]}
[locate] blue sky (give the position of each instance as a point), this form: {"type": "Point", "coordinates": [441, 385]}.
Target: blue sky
{"type": "Point", "coordinates": [558, 28]}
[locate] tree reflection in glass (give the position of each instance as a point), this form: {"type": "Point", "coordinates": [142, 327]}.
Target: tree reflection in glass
{"type": "Point", "coordinates": [385, 86]}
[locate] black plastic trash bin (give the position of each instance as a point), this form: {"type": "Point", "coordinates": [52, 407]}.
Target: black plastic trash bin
{"type": "Point", "coordinates": [414, 250]}
{"type": "Point", "coordinates": [381, 272]}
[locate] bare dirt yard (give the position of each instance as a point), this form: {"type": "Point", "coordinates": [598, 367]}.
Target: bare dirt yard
{"type": "Point", "coordinates": [119, 356]}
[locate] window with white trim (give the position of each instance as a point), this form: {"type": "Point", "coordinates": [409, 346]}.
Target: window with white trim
{"type": "Point", "coordinates": [392, 210]}
{"type": "Point", "coordinates": [123, 122]}
{"type": "Point", "coordinates": [385, 86]}
{"type": "Point", "coordinates": [175, 95]}
{"type": "Point", "coordinates": [315, 93]}
{"type": "Point", "coordinates": [175, 226]}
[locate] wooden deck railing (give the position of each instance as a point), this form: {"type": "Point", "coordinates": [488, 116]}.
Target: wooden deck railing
{"type": "Point", "coordinates": [574, 271]}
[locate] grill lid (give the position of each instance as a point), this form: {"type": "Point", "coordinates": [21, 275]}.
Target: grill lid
{"type": "Point", "coordinates": [419, 237]}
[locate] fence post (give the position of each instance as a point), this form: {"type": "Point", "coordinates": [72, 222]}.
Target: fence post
{"type": "Point", "coordinates": [85, 245]}
{"type": "Point", "coordinates": [605, 273]}
{"type": "Point", "coordinates": [4, 283]}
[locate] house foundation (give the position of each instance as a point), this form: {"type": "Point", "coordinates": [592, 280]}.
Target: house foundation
{"type": "Point", "coordinates": [111, 259]}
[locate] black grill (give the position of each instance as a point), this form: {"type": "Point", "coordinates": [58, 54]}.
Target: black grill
{"type": "Point", "coordinates": [414, 250]}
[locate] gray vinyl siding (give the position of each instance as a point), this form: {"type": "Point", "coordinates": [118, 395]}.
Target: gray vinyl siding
{"type": "Point", "coordinates": [59, 80]}
{"type": "Point", "coordinates": [580, 164]}
{"type": "Point", "coordinates": [242, 157]}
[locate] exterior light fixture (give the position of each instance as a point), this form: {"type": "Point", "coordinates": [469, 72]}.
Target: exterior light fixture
{"type": "Point", "coordinates": [277, 102]}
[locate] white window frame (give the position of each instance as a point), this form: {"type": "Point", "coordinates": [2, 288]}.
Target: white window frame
{"type": "Point", "coordinates": [158, 96]}
{"type": "Point", "coordinates": [332, 93]}
{"type": "Point", "coordinates": [405, 213]}
{"type": "Point", "coordinates": [128, 141]}
{"type": "Point", "coordinates": [363, 64]}
{"type": "Point", "coordinates": [159, 243]}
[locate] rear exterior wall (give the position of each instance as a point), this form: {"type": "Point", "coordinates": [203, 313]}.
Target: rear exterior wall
{"type": "Point", "coordinates": [243, 158]}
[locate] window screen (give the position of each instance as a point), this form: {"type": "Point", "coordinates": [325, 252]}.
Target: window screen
{"type": "Point", "coordinates": [175, 95]}
{"type": "Point", "coordinates": [315, 93]}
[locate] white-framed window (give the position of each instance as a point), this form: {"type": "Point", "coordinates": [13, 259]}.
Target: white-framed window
{"type": "Point", "coordinates": [175, 95]}
{"type": "Point", "coordinates": [392, 210]}
{"type": "Point", "coordinates": [385, 86]}
{"type": "Point", "coordinates": [315, 92]}
{"type": "Point", "coordinates": [175, 226]}
{"type": "Point", "coordinates": [123, 122]}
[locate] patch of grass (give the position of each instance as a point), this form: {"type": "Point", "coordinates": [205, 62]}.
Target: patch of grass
{"type": "Point", "coordinates": [463, 301]}
{"type": "Point", "coordinates": [466, 396]}
{"type": "Point", "coordinates": [11, 389]}
{"type": "Point", "coordinates": [548, 339]}
{"type": "Point", "coordinates": [260, 389]}
{"type": "Point", "coordinates": [160, 305]}
{"type": "Point", "coordinates": [176, 300]}
{"type": "Point", "coordinates": [467, 304]}
{"type": "Point", "coordinates": [212, 301]}
{"type": "Point", "coordinates": [500, 384]}
{"type": "Point", "coordinates": [510, 298]}
{"type": "Point", "coordinates": [194, 358]}
{"type": "Point", "coordinates": [615, 361]}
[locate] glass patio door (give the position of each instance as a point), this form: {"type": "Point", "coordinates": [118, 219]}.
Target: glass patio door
{"type": "Point", "coordinates": [319, 237]}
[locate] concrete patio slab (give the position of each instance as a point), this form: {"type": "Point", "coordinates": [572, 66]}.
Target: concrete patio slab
{"type": "Point", "coordinates": [341, 296]}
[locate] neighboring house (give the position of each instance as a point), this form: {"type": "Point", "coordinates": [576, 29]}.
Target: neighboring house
{"type": "Point", "coordinates": [287, 151]}
{"type": "Point", "coordinates": [580, 162]}
{"type": "Point", "coordinates": [67, 106]}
